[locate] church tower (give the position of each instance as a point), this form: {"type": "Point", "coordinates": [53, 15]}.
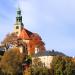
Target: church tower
{"type": "Point", "coordinates": [18, 25]}
{"type": "Point", "coordinates": [31, 39]}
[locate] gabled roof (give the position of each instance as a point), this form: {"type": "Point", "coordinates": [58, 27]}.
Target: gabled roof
{"type": "Point", "coordinates": [25, 34]}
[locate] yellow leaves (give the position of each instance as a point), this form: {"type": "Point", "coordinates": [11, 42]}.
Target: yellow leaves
{"type": "Point", "coordinates": [11, 60]}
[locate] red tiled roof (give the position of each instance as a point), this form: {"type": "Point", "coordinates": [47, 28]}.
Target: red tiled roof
{"type": "Point", "coordinates": [25, 34]}
{"type": "Point", "coordinates": [37, 36]}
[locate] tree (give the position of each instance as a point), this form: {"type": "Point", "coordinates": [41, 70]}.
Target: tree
{"type": "Point", "coordinates": [37, 67]}
{"type": "Point", "coordinates": [36, 41]}
{"type": "Point", "coordinates": [10, 38]}
{"type": "Point", "coordinates": [11, 61]}
{"type": "Point", "coordinates": [61, 65]}
{"type": "Point", "coordinates": [37, 62]}
{"type": "Point", "coordinates": [68, 66]}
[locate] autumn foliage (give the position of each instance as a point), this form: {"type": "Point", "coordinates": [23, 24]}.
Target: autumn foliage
{"type": "Point", "coordinates": [11, 61]}
{"type": "Point", "coordinates": [34, 41]}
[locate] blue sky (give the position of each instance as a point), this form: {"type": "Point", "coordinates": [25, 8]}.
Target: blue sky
{"type": "Point", "coordinates": [53, 20]}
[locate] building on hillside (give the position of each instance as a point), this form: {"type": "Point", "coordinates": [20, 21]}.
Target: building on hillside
{"type": "Point", "coordinates": [46, 57]}
{"type": "Point", "coordinates": [33, 40]}
{"type": "Point", "coordinates": [46, 60]}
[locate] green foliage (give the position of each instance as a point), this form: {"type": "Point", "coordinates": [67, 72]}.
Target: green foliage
{"type": "Point", "coordinates": [40, 71]}
{"type": "Point", "coordinates": [62, 65]}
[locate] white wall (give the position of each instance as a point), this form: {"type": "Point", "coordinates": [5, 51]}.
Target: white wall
{"type": "Point", "coordinates": [47, 60]}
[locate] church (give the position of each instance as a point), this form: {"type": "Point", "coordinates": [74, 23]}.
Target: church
{"type": "Point", "coordinates": [32, 40]}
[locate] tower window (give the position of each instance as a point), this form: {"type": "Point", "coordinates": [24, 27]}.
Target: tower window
{"type": "Point", "coordinates": [17, 27]}
{"type": "Point", "coordinates": [16, 32]}
{"type": "Point", "coordinates": [17, 19]}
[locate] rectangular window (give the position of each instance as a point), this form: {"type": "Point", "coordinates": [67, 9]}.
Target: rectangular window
{"type": "Point", "coordinates": [17, 27]}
